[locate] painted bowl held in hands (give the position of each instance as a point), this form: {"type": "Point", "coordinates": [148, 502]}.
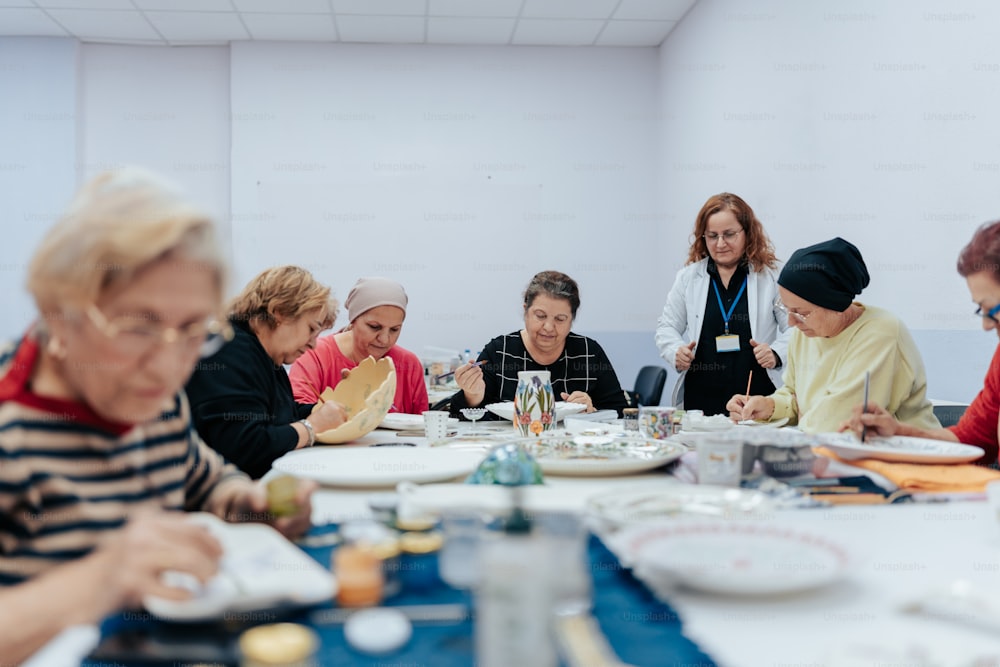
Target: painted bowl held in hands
{"type": "Point", "coordinates": [366, 394]}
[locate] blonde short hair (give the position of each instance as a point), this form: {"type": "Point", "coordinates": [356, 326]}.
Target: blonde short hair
{"type": "Point", "coordinates": [118, 224]}
{"type": "Point", "coordinates": [286, 291]}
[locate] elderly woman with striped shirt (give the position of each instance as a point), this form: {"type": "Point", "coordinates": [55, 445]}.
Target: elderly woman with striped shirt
{"type": "Point", "coordinates": [581, 371]}
{"type": "Point", "coordinates": [98, 457]}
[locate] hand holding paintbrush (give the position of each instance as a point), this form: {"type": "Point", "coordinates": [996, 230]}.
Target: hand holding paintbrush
{"type": "Point", "coordinates": [864, 408]}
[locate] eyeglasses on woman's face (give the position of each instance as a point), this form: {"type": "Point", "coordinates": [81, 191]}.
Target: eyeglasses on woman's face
{"type": "Point", "coordinates": [791, 313]}
{"type": "Point", "coordinates": [137, 337]}
{"type": "Point", "coordinates": [728, 236]}
{"type": "Point", "coordinates": [990, 314]}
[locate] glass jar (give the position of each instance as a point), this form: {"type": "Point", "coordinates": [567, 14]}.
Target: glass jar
{"type": "Point", "coordinates": [278, 645]}
{"type": "Point", "coordinates": [630, 419]}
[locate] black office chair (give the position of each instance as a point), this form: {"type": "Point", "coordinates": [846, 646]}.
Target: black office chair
{"type": "Point", "coordinates": [949, 415]}
{"type": "Point", "coordinates": [648, 386]}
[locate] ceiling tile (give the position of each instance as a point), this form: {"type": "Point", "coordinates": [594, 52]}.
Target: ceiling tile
{"type": "Point", "coordinates": [388, 29]}
{"type": "Point", "coordinates": [28, 22]}
{"type": "Point", "coordinates": [447, 30]}
{"type": "Point", "coordinates": [291, 27]}
{"type": "Point", "coordinates": [474, 7]}
{"type": "Point", "coordinates": [283, 6]}
{"type": "Point", "coordinates": [635, 33]}
{"type": "Point", "coordinates": [657, 10]}
{"type": "Point", "coordinates": [85, 4]}
{"type": "Point", "coordinates": [97, 25]}
{"type": "Point", "coordinates": [556, 33]}
{"type": "Point", "coordinates": [186, 5]}
{"type": "Point", "coordinates": [381, 7]}
{"type": "Point", "coordinates": [569, 9]}
{"type": "Point", "coordinates": [198, 26]}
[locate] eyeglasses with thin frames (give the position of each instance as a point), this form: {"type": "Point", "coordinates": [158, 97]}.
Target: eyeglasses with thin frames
{"type": "Point", "coordinates": [989, 314]}
{"type": "Point", "coordinates": [140, 337]}
{"type": "Point", "coordinates": [788, 313]}
{"type": "Point", "coordinates": [712, 237]}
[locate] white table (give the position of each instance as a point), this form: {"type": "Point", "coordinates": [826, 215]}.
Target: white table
{"type": "Point", "coordinates": [899, 552]}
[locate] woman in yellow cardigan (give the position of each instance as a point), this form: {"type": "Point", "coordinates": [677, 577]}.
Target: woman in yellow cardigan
{"type": "Point", "coordinates": [837, 341]}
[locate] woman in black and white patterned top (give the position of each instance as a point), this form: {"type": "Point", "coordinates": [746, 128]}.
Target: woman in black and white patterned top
{"type": "Point", "coordinates": [581, 371]}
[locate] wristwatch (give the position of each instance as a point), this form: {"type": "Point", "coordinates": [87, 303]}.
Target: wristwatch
{"type": "Point", "coordinates": [310, 430]}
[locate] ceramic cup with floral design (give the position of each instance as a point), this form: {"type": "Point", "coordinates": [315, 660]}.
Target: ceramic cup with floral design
{"type": "Point", "coordinates": [534, 403]}
{"type": "Point", "coordinates": [656, 421]}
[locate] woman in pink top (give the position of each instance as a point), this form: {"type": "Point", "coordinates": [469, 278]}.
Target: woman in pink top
{"type": "Point", "coordinates": [376, 308]}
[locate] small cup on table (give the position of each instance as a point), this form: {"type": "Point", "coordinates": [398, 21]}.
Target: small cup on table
{"type": "Point", "coordinates": [435, 425]}
{"type": "Point", "coordinates": [720, 459]}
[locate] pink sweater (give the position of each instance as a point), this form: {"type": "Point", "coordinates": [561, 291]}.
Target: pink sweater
{"type": "Point", "coordinates": [321, 367]}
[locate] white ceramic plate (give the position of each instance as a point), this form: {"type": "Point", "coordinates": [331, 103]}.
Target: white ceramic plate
{"type": "Point", "coordinates": [778, 423]}
{"type": "Point", "coordinates": [899, 448]}
{"type": "Point", "coordinates": [489, 498]}
{"type": "Point", "coordinates": [260, 569]}
{"type": "Point", "coordinates": [506, 409]}
{"type": "Point", "coordinates": [734, 558]}
{"type": "Point", "coordinates": [366, 467]}
{"type": "Point", "coordinates": [400, 421]}
{"type": "Point", "coordinates": [600, 455]}
{"type": "Point", "coordinates": [713, 423]}
{"type": "Point", "coordinates": [669, 500]}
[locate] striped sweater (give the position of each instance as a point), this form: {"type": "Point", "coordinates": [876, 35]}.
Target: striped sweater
{"type": "Point", "coordinates": [67, 476]}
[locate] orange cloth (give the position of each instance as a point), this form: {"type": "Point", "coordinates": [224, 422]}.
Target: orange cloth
{"type": "Point", "coordinates": [928, 477]}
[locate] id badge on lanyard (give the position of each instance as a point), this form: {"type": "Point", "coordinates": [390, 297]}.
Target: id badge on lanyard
{"type": "Point", "coordinates": [728, 342]}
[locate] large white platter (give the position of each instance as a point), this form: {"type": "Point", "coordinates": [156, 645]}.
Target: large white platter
{"type": "Point", "coordinates": [600, 455]}
{"type": "Point", "coordinates": [400, 421]}
{"type": "Point", "coordinates": [260, 569]}
{"type": "Point", "coordinates": [506, 410]}
{"type": "Point", "coordinates": [899, 448]}
{"type": "Point", "coordinates": [669, 500]}
{"type": "Point", "coordinates": [365, 467]}
{"type": "Point", "coordinates": [734, 558]}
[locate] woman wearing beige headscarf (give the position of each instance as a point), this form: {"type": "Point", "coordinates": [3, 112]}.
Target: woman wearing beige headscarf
{"type": "Point", "coordinates": [376, 308]}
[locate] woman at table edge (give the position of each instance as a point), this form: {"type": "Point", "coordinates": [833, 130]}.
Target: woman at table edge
{"type": "Point", "coordinates": [128, 286]}
{"type": "Point", "coordinates": [581, 370]}
{"type": "Point", "coordinates": [979, 264]}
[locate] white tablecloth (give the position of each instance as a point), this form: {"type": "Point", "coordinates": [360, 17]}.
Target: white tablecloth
{"type": "Point", "coordinates": [899, 553]}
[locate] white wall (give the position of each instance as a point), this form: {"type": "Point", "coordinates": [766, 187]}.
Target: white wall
{"type": "Point", "coordinates": [875, 121]}
{"type": "Point", "coordinates": [38, 136]}
{"type": "Point", "coordinates": [458, 171]}
{"type": "Point", "coordinates": [162, 108]}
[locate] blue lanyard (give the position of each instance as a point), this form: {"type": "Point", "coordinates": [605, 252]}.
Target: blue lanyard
{"type": "Point", "coordinates": [725, 315]}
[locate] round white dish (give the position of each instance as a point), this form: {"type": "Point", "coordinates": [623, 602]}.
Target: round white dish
{"type": "Point", "coordinates": [400, 421]}
{"type": "Point", "coordinates": [369, 467]}
{"type": "Point", "coordinates": [505, 410]}
{"type": "Point", "coordinates": [580, 455]}
{"type": "Point", "coordinates": [671, 500]}
{"type": "Point", "coordinates": [898, 448]}
{"type": "Point", "coordinates": [734, 558]}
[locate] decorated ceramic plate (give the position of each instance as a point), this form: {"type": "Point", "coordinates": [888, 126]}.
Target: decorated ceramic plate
{"type": "Point", "coordinates": [260, 569]}
{"type": "Point", "coordinates": [733, 558]}
{"type": "Point", "coordinates": [506, 409]}
{"type": "Point", "coordinates": [363, 467]}
{"type": "Point", "coordinates": [899, 448]}
{"type": "Point", "coordinates": [575, 454]}
{"type": "Point", "coordinates": [399, 421]}
{"type": "Point", "coordinates": [671, 500]}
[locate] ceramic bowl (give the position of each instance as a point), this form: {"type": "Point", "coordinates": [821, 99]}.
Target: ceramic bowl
{"type": "Point", "coordinates": [366, 394]}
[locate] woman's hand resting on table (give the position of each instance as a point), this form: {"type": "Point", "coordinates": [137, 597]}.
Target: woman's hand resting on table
{"type": "Point", "coordinates": [578, 397]}
{"type": "Point", "coordinates": [758, 408]}
{"type": "Point", "coordinates": [469, 377]}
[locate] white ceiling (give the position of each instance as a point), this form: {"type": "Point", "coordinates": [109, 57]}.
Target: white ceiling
{"type": "Point", "coordinates": [489, 22]}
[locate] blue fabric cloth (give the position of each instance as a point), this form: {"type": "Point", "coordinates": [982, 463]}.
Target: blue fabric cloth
{"type": "Point", "coordinates": [642, 630]}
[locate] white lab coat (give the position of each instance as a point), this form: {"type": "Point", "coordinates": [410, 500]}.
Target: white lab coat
{"type": "Point", "coordinates": [683, 315]}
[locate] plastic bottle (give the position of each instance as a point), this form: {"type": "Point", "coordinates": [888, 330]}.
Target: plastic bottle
{"type": "Point", "coordinates": [514, 600]}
